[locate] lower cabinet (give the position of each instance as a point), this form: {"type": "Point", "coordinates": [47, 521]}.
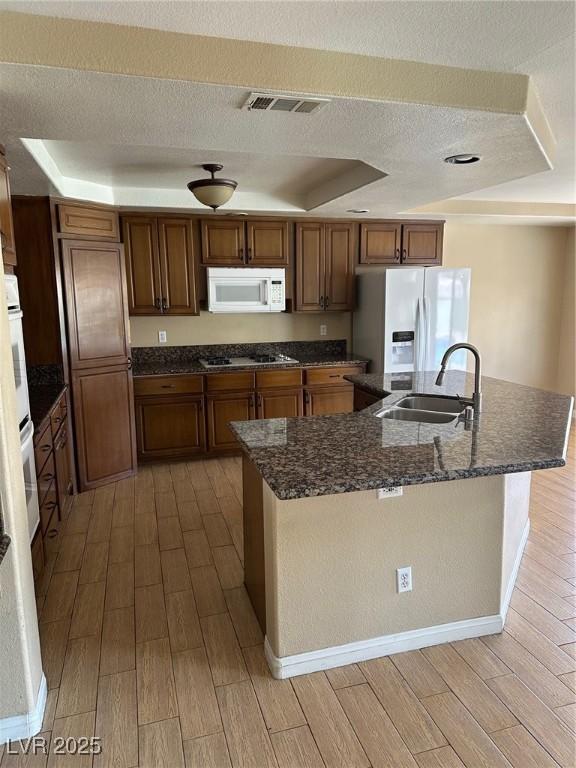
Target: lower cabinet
{"type": "Point", "coordinates": [221, 409]}
{"type": "Point", "coordinates": [327, 400]}
{"type": "Point", "coordinates": [64, 484]}
{"type": "Point", "coordinates": [170, 426]}
{"type": "Point", "coordinates": [280, 403]}
{"type": "Point", "coordinates": [363, 399]}
{"type": "Point", "coordinates": [103, 409]}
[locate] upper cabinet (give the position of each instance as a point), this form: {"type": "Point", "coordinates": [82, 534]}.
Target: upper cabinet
{"type": "Point", "coordinates": [239, 243]}
{"type": "Point", "coordinates": [6, 227]}
{"type": "Point", "coordinates": [160, 267]}
{"type": "Point", "coordinates": [77, 220]}
{"type": "Point", "coordinates": [395, 242]}
{"type": "Point", "coordinates": [325, 266]}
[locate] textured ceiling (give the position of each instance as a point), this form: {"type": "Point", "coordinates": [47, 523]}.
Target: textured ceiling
{"type": "Point", "coordinates": [536, 38]}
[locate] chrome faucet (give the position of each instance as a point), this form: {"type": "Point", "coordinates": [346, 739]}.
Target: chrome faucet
{"type": "Point", "coordinates": [476, 400]}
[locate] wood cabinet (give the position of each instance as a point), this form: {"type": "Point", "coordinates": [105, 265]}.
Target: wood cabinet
{"type": "Point", "coordinates": [327, 400]}
{"type": "Point", "coordinates": [410, 243]}
{"type": "Point", "coordinates": [238, 243]}
{"type": "Point", "coordinates": [104, 418]}
{"type": "Point", "coordinates": [160, 265]}
{"type": "Point", "coordinates": [95, 290]}
{"type": "Point", "coordinates": [78, 220]}
{"type": "Point", "coordinates": [170, 426]}
{"type": "Point", "coordinates": [422, 244]}
{"type": "Point", "coordinates": [223, 408]}
{"type": "Point", "coordinates": [6, 225]}
{"type": "Point", "coordinates": [279, 403]}
{"type": "Point", "coordinates": [363, 399]}
{"type": "Point", "coordinates": [325, 257]}
{"type": "Point", "coordinates": [64, 482]}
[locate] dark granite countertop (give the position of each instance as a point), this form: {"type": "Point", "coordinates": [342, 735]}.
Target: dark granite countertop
{"type": "Point", "coordinates": [162, 361]}
{"type": "Point", "coordinates": [520, 429]}
{"type": "Point", "coordinates": [43, 397]}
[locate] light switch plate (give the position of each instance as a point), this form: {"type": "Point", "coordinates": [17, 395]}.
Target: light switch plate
{"type": "Point", "coordinates": [390, 493]}
{"type": "Point", "coordinates": [323, 330]}
{"type": "Point", "coordinates": [162, 338]}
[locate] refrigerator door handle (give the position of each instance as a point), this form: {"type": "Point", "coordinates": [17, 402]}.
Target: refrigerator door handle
{"type": "Point", "coordinates": [425, 333]}
{"type": "Point", "coordinates": [418, 339]}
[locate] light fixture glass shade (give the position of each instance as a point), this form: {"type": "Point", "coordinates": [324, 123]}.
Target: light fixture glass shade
{"type": "Point", "coordinates": [212, 192]}
{"type": "Point", "coordinates": [213, 195]}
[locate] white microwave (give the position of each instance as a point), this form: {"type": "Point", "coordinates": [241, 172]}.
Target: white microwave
{"type": "Point", "coordinates": [242, 289]}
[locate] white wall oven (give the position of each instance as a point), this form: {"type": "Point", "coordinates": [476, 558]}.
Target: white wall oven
{"type": "Point", "coordinates": [22, 402]}
{"type": "Point", "coordinates": [242, 289]}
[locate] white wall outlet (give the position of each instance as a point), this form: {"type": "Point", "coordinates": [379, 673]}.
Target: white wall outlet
{"type": "Point", "coordinates": [162, 339]}
{"type": "Point", "coordinates": [389, 493]}
{"type": "Point", "coordinates": [323, 330]}
{"type": "Point", "coordinates": [404, 579]}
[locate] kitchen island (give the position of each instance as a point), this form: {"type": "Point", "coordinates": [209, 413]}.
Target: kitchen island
{"type": "Point", "coordinates": [323, 541]}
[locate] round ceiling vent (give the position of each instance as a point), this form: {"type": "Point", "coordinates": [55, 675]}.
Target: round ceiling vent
{"type": "Point", "coordinates": [462, 159]}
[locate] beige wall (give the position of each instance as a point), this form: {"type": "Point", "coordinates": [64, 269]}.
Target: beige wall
{"type": "Point", "coordinates": [567, 357]}
{"type": "Point", "coordinates": [519, 283]}
{"type": "Point", "coordinates": [229, 329]}
{"type": "Point", "coordinates": [20, 663]}
{"type": "Point", "coordinates": [331, 561]}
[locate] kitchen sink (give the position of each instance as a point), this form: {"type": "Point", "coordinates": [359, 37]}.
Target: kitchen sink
{"type": "Point", "coordinates": [409, 413]}
{"type": "Point", "coordinates": [431, 403]}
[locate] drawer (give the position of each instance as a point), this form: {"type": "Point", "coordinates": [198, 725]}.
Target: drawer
{"type": "Point", "coordinates": [57, 417]}
{"type": "Point", "coordinates": [86, 221]}
{"type": "Point", "coordinates": [331, 375]}
{"type": "Point", "coordinates": [168, 385]}
{"type": "Point", "coordinates": [230, 382]}
{"type": "Point", "coordinates": [287, 377]}
{"type": "Point", "coordinates": [42, 447]}
{"type": "Point", "coordinates": [48, 507]}
{"type": "Point", "coordinates": [46, 476]}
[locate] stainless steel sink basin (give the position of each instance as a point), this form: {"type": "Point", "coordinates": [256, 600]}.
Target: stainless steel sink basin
{"type": "Point", "coordinates": [410, 414]}
{"type": "Point", "coordinates": [431, 403]}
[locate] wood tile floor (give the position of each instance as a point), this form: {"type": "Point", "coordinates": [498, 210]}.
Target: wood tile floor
{"type": "Point", "coordinates": [149, 642]}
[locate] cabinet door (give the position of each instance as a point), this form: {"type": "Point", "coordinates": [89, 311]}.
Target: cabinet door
{"type": "Point", "coordinates": [280, 403]}
{"type": "Point", "coordinates": [63, 469]}
{"type": "Point", "coordinates": [104, 421]}
{"type": "Point", "coordinates": [177, 267]}
{"type": "Point", "coordinates": [96, 303]}
{"type": "Point", "coordinates": [88, 221]}
{"type": "Point", "coordinates": [223, 243]}
{"type": "Point", "coordinates": [329, 400]}
{"type": "Point", "coordinates": [267, 243]}
{"type": "Point", "coordinates": [380, 242]}
{"type": "Point", "coordinates": [170, 426]}
{"type": "Point", "coordinates": [310, 267]}
{"type": "Point", "coordinates": [221, 410]}
{"type": "Point", "coordinates": [140, 235]}
{"type": "Point", "coordinates": [422, 244]}
{"type": "Point", "coordinates": [6, 227]}
{"type": "Point", "coordinates": [340, 242]}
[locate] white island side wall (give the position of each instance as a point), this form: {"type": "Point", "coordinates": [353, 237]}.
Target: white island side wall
{"type": "Point", "coordinates": [331, 569]}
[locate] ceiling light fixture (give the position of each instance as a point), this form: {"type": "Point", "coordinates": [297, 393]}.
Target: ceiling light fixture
{"type": "Point", "coordinates": [462, 159]}
{"type": "Point", "coordinates": [358, 210]}
{"type": "Point", "coordinates": [212, 192]}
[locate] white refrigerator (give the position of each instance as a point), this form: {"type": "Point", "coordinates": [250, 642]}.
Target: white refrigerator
{"type": "Point", "coordinates": [407, 317]}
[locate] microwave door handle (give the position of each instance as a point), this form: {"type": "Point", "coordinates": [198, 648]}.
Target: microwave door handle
{"type": "Point", "coordinates": [266, 287]}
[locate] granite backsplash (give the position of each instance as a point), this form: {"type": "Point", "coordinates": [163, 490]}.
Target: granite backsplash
{"type": "Point", "coordinates": [40, 375]}
{"type": "Point", "coordinates": [296, 349]}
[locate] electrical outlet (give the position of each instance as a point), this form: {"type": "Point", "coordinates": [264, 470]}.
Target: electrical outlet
{"type": "Point", "coordinates": [323, 330]}
{"type": "Point", "coordinates": [162, 339]}
{"type": "Point", "coordinates": [404, 579]}
{"type": "Point", "coordinates": [389, 493]}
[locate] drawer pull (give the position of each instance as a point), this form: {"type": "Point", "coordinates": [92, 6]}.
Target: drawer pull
{"type": "Point", "coordinates": [334, 376]}
{"type": "Point", "coordinates": [57, 419]}
{"type": "Point", "coordinates": [49, 505]}
{"type": "Point", "coordinates": [168, 386]}
{"type": "Point", "coordinates": [45, 448]}
{"type": "Point", "coordinates": [52, 533]}
{"type": "Point", "coordinates": [48, 477]}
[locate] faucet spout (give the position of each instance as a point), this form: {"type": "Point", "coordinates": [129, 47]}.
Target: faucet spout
{"type": "Point", "coordinates": [476, 400]}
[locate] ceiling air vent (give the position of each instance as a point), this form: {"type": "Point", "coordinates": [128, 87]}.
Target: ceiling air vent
{"type": "Point", "coordinates": [275, 102]}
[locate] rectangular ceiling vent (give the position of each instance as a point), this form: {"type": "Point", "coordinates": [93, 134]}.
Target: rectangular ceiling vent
{"type": "Point", "coordinates": [275, 102]}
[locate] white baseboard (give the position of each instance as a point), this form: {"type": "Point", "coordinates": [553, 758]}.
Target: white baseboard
{"type": "Point", "coordinates": [27, 725]}
{"type": "Point", "coordinates": [512, 580]}
{"type": "Point", "coordinates": [339, 655]}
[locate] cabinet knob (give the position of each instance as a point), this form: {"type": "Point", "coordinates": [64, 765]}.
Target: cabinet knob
{"type": "Point", "coordinates": [241, 254]}
{"type": "Point", "coordinates": [321, 302]}
{"type": "Point", "coordinates": [397, 254]}
{"type": "Point", "coordinates": [129, 363]}
{"type": "Point", "coordinates": [403, 254]}
{"type": "Point", "coordinates": [326, 302]}
{"type": "Point", "coordinates": [249, 254]}
{"type": "Point", "coordinates": [157, 304]}
{"type": "Point", "coordinates": [164, 305]}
